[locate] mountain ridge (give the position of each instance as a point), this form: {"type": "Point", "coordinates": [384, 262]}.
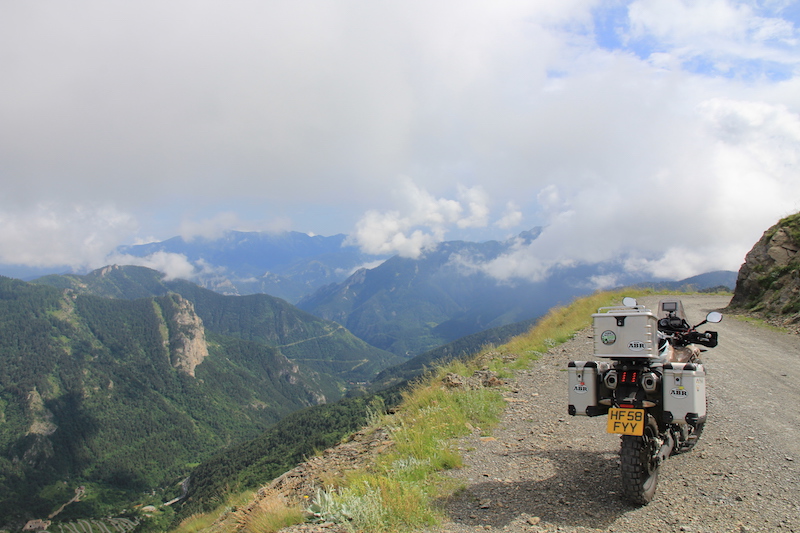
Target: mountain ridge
{"type": "Point", "coordinates": [255, 317]}
{"type": "Point", "coordinates": [409, 306]}
{"type": "Point", "coordinates": [287, 265]}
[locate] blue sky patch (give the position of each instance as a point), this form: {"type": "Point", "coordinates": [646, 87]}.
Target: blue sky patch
{"type": "Point", "coordinates": [610, 25]}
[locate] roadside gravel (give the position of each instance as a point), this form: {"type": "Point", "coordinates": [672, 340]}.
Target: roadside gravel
{"type": "Point", "coordinates": [542, 470]}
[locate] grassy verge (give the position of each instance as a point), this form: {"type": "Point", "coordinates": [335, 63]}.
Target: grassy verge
{"type": "Point", "coordinates": [271, 516]}
{"type": "Point", "coordinates": [202, 521]}
{"type": "Point", "coordinates": [758, 321]}
{"type": "Point", "coordinates": [396, 492]}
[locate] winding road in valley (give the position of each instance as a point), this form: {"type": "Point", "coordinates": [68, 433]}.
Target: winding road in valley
{"type": "Point", "coordinates": [543, 470]}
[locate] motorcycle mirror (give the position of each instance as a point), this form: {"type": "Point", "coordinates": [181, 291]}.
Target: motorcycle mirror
{"type": "Point", "coordinates": [713, 316]}
{"type": "Point", "coordinates": [629, 302]}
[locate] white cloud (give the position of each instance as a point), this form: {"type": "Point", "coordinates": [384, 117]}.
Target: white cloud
{"type": "Point", "coordinates": [476, 201]}
{"type": "Point", "coordinates": [145, 240]}
{"type": "Point", "coordinates": [300, 113]}
{"type": "Point", "coordinates": [174, 266]}
{"type": "Point", "coordinates": [702, 212]}
{"type": "Point", "coordinates": [551, 201]}
{"type": "Point", "coordinates": [422, 223]}
{"type": "Point", "coordinates": [61, 234]}
{"type": "Point", "coordinates": [603, 282]}
{"type": "Point", "coordinates": [422, 220]}
{"type": "Point", "coordinates": [511, 218]}
{"type": "Point", "coordinates": [216, 226]}
{"type": "Point", "coordinates": [368, 266]}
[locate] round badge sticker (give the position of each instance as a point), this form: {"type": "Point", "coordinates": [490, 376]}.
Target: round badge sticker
{"type": "Point", "coordinates": [608, 337]}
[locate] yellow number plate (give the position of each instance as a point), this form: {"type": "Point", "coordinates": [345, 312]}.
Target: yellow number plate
{"type": "Point", "coordinates": [625, 421]}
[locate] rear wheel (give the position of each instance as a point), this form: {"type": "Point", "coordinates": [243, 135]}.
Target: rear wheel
{"type": "Point", "coordinates": [639, 463]}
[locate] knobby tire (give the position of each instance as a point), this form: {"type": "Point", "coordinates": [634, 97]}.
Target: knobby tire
{"type": "Point", "coordinates": [639, 465]}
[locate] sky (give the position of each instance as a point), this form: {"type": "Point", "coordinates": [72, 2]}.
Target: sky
{"type": "Point", "coordinates": [660, 134]}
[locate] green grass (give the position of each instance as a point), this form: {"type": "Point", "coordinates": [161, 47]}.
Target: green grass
{"type": "Point", "coordinates": [202, 521]}
{"type": "Point", "coordinates": [397, 492]}
{"type": "Point", "coordinates": [269, 516]}
{"type": "Point", "coordinates": [272, 516]}
{"type": "Point", "coordinates": [756, 321]}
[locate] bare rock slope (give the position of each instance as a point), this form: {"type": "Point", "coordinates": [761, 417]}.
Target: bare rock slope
{"type": "Point", "coordinates": [769, 280]}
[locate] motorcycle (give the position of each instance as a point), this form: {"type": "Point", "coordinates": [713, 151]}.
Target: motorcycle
{"type": "Point", "coordinates": [652, 390]}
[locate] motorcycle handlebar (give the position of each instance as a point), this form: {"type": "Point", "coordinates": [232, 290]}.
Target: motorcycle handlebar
{"type": "Point", "coordinates": [707, 338]}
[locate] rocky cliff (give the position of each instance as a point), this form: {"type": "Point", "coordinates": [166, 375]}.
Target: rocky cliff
{"type": "Point", "coordinates": [186, 337]}
{"type": "Point", "coordinates": [769, 280]}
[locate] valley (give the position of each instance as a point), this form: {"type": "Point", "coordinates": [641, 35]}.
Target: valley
{"type": "Point", "coordinates": [130, 394]}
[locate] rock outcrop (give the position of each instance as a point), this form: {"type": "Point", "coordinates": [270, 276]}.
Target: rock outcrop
{"type": "Point", "coordinates": [769, 280]}
{"type": "Point", "coordinates": [187, 337]}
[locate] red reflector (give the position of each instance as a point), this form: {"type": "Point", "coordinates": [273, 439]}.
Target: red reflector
{"type": "Point", "coordinates": [629, 377]}
{"type": "Point", "coordinates": [627, 405]}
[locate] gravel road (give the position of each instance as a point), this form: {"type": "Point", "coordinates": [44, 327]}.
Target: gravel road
{"type": "Point", "coordinates": [542, 470]}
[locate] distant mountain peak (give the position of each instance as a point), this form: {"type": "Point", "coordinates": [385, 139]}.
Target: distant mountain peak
{"type": "Point", "coordinates": [106, 270]}
{"type": "Point", "coordinates": [528, 236]}
{"type": "Point", "coordinates": [288, 265]}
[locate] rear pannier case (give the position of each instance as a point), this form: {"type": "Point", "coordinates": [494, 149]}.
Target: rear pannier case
{"type": "Point", "coordinates": [684, 393]}
{"type": "Point", "coordinates": [625, 333]}
{"type": "Point", "coordinates": [586, 388]}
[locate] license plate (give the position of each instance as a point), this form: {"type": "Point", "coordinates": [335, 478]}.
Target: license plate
{"type": "Point", "coordinates": [625, 421]}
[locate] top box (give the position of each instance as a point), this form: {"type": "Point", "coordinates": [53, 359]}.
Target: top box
{"type": "Point", "coordinates": [625, 333]}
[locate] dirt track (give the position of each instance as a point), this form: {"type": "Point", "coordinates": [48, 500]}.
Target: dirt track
{"type": "Point", "coordinates": [546, 471]}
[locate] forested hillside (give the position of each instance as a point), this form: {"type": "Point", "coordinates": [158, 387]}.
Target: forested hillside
{"type": "Point", "coordinates": [409, 306]}
{"type": "Point", "coordinates": [462, 348]}
{"type": "Point", "coordinates": [301, 434]}
{"type": "Point", "coordinates": [123, 394]}
{"type": "Point", "coordinates": [321, 345]}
